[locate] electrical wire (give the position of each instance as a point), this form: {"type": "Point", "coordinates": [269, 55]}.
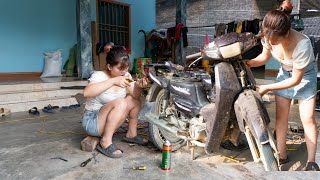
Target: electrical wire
{"type": "Point", "coordinates": [24, 119]}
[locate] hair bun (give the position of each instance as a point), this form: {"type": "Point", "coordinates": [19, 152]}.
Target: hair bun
{"type": "Point", "coordinates": [286, 7]}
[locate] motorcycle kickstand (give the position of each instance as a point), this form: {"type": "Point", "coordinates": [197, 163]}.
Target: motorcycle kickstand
{"type": "Point", "coordinates": [192, 149]}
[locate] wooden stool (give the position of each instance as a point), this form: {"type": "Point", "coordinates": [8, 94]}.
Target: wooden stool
{"type": "Point", "coordinates": [89, 143]}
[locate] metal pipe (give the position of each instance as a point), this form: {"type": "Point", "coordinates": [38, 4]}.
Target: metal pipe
{"type": "Point", "coordinates": [150, 117]}
{"type": "Point", "coordinates": [194, 56]}
{"type": "Point", "coordinates": [252, 147]}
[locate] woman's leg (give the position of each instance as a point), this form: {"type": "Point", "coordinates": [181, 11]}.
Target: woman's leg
{"type": "Point", "coordinates": [282, 113]}
{"type": "Point", "coordinates": [110, 117]}
{"type": "Point", "coordinates": [306, 109]}
{"type": "Point", "coordinates": [133, 108]}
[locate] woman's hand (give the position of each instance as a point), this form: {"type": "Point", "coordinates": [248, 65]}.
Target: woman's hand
{"type": "Point", "coordinates": [121, 81]}
{"type": "Point", "coordinates": [143, 83]}
{"type": "Point", "coordinates": [262, 89]}
{"type": "Point", "coordinates": [248, 63]}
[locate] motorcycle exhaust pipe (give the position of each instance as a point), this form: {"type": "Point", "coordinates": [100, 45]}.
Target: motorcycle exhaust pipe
{"type": "Point", "coordinates": [150, 117]}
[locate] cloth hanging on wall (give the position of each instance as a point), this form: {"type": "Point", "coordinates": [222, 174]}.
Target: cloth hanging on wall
{"type": "Point", "coordinates": [239, 26]}
{"type": "Point", "coordinates": [220, 29]}
{"type": "Point", "coordinates": [231, 27]}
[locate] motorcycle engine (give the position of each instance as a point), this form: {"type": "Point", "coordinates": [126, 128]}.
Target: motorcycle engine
{"type": "Point", "coordinates": [197, 129]}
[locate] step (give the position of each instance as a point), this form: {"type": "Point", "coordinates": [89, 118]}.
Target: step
{"type": "Point", "coordinates": [21, 97]}
{"type": "Point", "coordinates": [25, 106]}
{"type": "Point", "coordinates": [38, 86]}
{"type": "Point", "coordinates": [25, 96]}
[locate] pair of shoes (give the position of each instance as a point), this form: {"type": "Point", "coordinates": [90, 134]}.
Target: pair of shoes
{"type": "Point", "coordinates": [73, 106]}
{"type": "Point", "coordinates": [311, 166]}
{"type": "Point", "coordinates": [283, 161]}
{"type": "Point", "coordinates": [49, 108]}
{"type": "Point", "coordinates": [4, 112]}
{"type": "Point", "coordinates": [34, 111]}
{"type": "Point", "coordinates": [109, 151]}
{"type": "Point", "coordinates": [137, 140]}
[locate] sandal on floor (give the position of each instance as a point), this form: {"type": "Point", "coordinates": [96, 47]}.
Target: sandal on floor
{"type": "Point", "coordinates": [283, 161]}
{"type": "Point", "coordinates": [311, 166]}
{"type": "Point", "coordinates": [137, 140]}
{"type": "Point", "coordinates": [4, 112]}
{"type": "Point", "coordinates": [34, 111]}
{"type": "Point", "coordinates": [74, 106]}
{"type": "Point", "coordinates": [109, 151]}
{"type": "Point", "coordinates": [49, 108]}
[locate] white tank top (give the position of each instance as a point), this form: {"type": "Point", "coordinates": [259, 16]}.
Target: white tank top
{"type": "Point", "coordinates": [102, 99]}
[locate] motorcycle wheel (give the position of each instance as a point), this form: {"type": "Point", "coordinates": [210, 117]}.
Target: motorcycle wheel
{"type": "Point", "coordinates": [158, 135]}
{"type": "Point", "coordinates": [254, 109]}
{"type": "Point", "coordinates": [267, 157]}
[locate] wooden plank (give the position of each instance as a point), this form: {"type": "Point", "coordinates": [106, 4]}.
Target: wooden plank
{"type": "Point", "coordinates": [89, 143]}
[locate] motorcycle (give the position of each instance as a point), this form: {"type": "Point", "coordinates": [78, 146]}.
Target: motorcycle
{"type": "Point", "coordinates": [205, 109]}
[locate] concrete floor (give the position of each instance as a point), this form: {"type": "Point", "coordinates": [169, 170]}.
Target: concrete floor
{"type": "Point", "coordinates": [26, 154]}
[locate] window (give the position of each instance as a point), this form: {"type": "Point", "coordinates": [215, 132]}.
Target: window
{"type": "Point", "coordinates": [113, 22]}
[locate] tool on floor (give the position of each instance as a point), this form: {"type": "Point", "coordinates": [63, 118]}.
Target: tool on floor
{"type": "Point", "coordinates": [137, 168]}
{"type": "Point", "coordinates": [94, 155]}
{"type": "Point", "coordinates": [232, 158]}
{"type": "Point", "coordinates": [60, 158]}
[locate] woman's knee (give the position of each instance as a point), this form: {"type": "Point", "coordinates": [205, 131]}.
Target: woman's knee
{"type": "Point", "coordinates": [133, 102]}
{"type": "Point", "coordinates": [122, 104]}
{"type": "Point", "coordinates": [308, 121]}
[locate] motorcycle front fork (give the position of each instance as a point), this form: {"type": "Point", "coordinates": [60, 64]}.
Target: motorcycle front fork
{"type": "Point", "coordinates": [253, 148]}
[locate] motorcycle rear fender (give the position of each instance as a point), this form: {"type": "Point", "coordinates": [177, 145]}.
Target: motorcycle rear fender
{"type": "Point", "coordinates": [249, 111]}
{"type": "Point", "coordinates": [149, 104]}
{"type": "Point", "coordinates": [227, 87]}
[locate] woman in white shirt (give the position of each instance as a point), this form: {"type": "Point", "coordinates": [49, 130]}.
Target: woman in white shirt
{"type": "Point", "coordinates": [297, 79]}
{"type": "Point", "coordinates": [111, 98]}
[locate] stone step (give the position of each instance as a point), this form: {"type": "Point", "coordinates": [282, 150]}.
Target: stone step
{"type": "Point", "coordinates": [13, 88]}
{"type": "Point", "coordinates": [32, 96]}
{"type": "Point", "coordinates": [22, 97]}
{"type": "Point", "coordinates": [25, 106]}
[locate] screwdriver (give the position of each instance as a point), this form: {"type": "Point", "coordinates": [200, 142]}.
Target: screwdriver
{"type": "Point", "coordinates": [137, 168]}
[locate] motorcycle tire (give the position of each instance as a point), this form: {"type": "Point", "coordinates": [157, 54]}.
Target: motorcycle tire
{"type": "Point", "coordinates": [158, 135]}
{"type": "Point", "coordinates": [267, 157]}
{"type": "Point", "coordinates": [254, 109]}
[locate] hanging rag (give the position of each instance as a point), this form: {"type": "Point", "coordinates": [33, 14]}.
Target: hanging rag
{"type": "Point", "coordinates": [185, 36]}
{"type": "Point", "coordinates": [170, 35]}
{"type": "Point", "coordinates": [239, 26]}
{"type": "Point", "coordinates": [220, 29]}
{"type": "Point", "coordinates": [231, 27]}
{"type": "Point", "coordinates": [178, 30]}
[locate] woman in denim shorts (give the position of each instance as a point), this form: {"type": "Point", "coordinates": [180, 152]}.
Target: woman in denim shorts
{"type": "Point", "coordinates": [297, 79]}
{"type": "Point", "coordinates": [112, 96]}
